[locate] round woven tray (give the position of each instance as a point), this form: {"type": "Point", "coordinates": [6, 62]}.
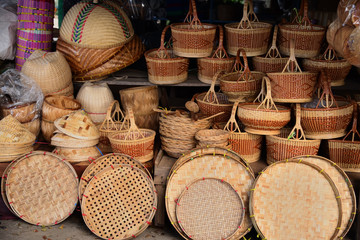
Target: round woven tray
{"type": "Point", "coordinates": [295, 200]}
{"type": "Point", "coordinates": [210, 209]}
{"type": "Point", "coordinates": [42, 188]}
{"type": "Point", "coordinates": [103, 162]}
{"type": "Point", "coordinates": [119, 202]}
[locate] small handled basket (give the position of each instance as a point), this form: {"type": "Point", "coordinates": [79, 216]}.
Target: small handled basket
{"type": "Point", "coordinates": [247, 145]}
{"type": "Point", "coordinates": [336, 68]}
{"type": "Point", "coordinates": [253, 36]}
{"type": "Point", "coordinates": [138, 143]}
{"type": "Point", "coordinates": [308, 37]}
{"type": "Point", "coordinates": [241, 84]}
{"type": "Point", "coordinates": [292, 85]}
{"type": "Point", "coordinates": [192, 38]}
{"type": "Point", "coordinates": [346, 153]}
{"type": "Point", "coordinates": [272, 62]}
{"type": "Point", "coordinates": [164, 67]}
{"type": "Point", "coordinates": [263, 118]}
{"type": "Point", "coordinates": [290, 143]}
{"type": "Point", "coordinates": [220, 60]}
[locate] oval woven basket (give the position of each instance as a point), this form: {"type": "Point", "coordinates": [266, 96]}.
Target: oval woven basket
{"type": "Point", "coordinates": [23, 113]}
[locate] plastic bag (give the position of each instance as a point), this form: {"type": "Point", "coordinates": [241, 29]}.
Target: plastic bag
{"type": "Point", "coordinates": [20, 96]}
{"type": "Point", "coordinates": [8, 21]}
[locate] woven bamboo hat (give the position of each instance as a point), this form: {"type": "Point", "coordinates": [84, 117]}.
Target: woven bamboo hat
{"type": "Point", "coordinates": [96, 24]}
{"type": "Point", "coordinates": [11, 131]}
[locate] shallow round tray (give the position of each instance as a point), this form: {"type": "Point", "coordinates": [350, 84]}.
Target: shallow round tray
{"type": "Point", "coordinates": [294, 200]}
{"type": "Point", "coordinates": [42, 188]}
{"type": "Point", "coordinates": [210, 209]}
{"type": "Point", "coordinates": [119, 202]}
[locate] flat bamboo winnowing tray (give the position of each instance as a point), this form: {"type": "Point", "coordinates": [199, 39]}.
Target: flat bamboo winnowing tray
{"type": "Point", "coordinates": [292, 200]}
{"type": "Point", "coordinates": [210, 209]}
{"type": "Point", "coordinates": [119, 202]}
{"type": "Point", "coordinates": [41, 188]}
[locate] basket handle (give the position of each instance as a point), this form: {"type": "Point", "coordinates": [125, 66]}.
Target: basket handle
{"type": "Point", "coordinates": [330, 54]}
{"type": "Point", "coordinates": [265, 99]}
{"type": "Point", "coordinates": [220, 51]}
{"type": "Point", "coordinates": [113, 115]}
{"type": "Point", "coordinates": [303, 13]}
{"type": "Point", "coordinates": [251, 15]}
{"type": "Point", "coordinates": [274, 51]}
{"type": "Point", "coordinates": [133, 128]}
{"type": "Point", "coordinates": [292, 65]}
{"type": "Point", "coordinates": [238, 66]}
{"type": "Point", "coordinates": [353, 130]}
{"type": "Point", "coordinates": [297, 132]}
{"type": "Point", "coordinates": [232, 125]}
{"type": "Point", "coordinates": [210, 96]}
{"type": "Point", "coordinates": [326, 94]}
{"type": "Point", "coordinates": [162, 49]}
{"type": "Point", "coordinates": [192, 16]}
{"type": "Point", "coordinates": [245, 22]}
{"type": "Point", "coordinates": [246, 73]}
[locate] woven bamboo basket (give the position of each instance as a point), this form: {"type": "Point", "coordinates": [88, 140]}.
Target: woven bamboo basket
{"type": "Point", "coordinates": [13, 133]}
{"type": "Point", "coordinates": [138, 143]}
{"type": "Point", "coordinates": [163, 66]}
{"type": "Point", "coordinates": [51, 71]}
{"type": "Point", "coordinates": [336, 68]}
{"type": "Point", "coordinates": [252, 36]}
{"type": "Point", "coordinates": [241, 85]}
{"type": "Point", "coordinates": [33, 126]}
{"type": "Point", "coordinates": [176, 147]}
{"type": "Point", "coordinates": [23, 113]}
{"type": "Point", "coordinates": [264, 118]}
{"type": "Point", "coordinates": [62, 140]}
{"type": "Point", "coordinates": [75, 155]}
{"type": "Point", "coordinates": [328, 118]}
{"type": "Point", "coordinates": [212, 138]}
{"type": "Point", "coordinates": [55, 106]}
{"type": "Point", "coordinates": [219, 61]}
{"type": "Point", "coordinates": [193, 39]}
{"type": "Point", "coordinates": [292, 85]}
{"type": "Point", "coordinates": [142, 100]}
{"type": "Point", "coordinates": [247, 145]}
{"type": "Point", "coordinates": [272, 61]}
{"type": "Point", "coordinates": [111, 124]}
{"type": "Point", "coordinates": [290, 143]}
{"type": "Point", "coordinates": [308, 38]}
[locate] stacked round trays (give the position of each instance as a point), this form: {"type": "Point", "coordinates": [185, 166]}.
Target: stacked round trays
{"type": "Point", "coordinates": [209, 168]}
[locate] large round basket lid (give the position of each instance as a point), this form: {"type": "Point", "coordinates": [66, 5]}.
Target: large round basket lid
{"type": "Point", "coordinates": [96, 25]}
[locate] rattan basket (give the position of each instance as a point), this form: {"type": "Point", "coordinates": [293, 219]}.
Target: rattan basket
{"type": "Point", "coordinates": [241, 85]}
{"type": "Point", "coordinates": [264, 118]}
{"type": "Point", "coordinates": [219, 61]}
{"type": "Point", "coordinates": [163, 66]}
{"type": "Point", "coordinates": [252, 36]}
{"type": "Point", "coordinates": [192, 38]}
{"type": "Point", "coordinates": [212, 138]}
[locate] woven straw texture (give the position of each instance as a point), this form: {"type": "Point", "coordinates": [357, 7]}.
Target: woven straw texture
{"type": "Point", "coordinates": [12, 132]}
{"type": "Point", "coordinates": [103, 162]}
{"type": "Point", "coordinates": [110, 206]}
{"type": "Point", "coordinates": [203, 203]}
{"type": "Point", "coordinates": [343, 184]}
{"type": "Point", "coordinates": [209, 108]}
{"type": "Point", "coordinates": [74, 155]}
{"type": "Point", "coordinates": [23, 113]}
{"type": "Point", "coordinates": [51, 71]}
{"type": "Point", "coordinates": [345, 153]}
{"type": "Point", "coordinates": [42, 189]}
{"type": "Point", "coordinates": [81, 25]}
{"type": "Point", "coordinates": [33, 126]}
{"type": "Point", "coordinates": [288, 202]}
{"type": "Point", "coordinates": [65, 141]}
{"type": "Point", "coordinates": [212, 136]}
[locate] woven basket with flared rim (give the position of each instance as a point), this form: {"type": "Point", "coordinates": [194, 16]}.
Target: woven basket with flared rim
{"type": "Point", "coordinates": [51, 71]}
{"type": "Point", "coordinates": [82, 28]}
{"type": "Point", "coordinates": [127, 199]}
{"type": "Point", "coordinates": [247, 145]}
{"type": "Point", "coordinates": [55, 106]}
{"type": "Point", "coordinates": [163, 66]}
{"type": "Point", "coordinates": [272, 61]}
{"type": "Point", "coordinates": [252, 36]}
{"type": "Point", "coordinates": [345, 187]}
{"type": "Point", "coordinates": [95, 98]}
{"type": "Point", "coordinates": [263, 118]}
{"type": "Point", "coordinates": [193, 39]}
{"type": "Point", "coordinates": [293, 85]}
{"type": "Point", "coordinates": [203, 203]}
{"type": "Point", "coordinates": [337, 68]}
{"type": "Point", "coordinates": [308, 38]}
{"type": "Point", "coordinates": [111, 124]}
{"type": "Point", "coordinates": [75, 155]}
{"type": "Point", "coordinates": [23, 113]}
{"type": "Point", "coordinates": [62, 140]}
{"type": "Point", "coordinates": [138, 143]}
{"type": "Point", "coordinates": [57, 197]}
{"type": "Point", "coordinates": [209, 164]}
{"type": "Point", "coordinates": [326, 118]}
{"type": "Point", "coordinates": [290, 143]}
{"type": "Point", "coordinates": [241, 84]}
{"type": "Point", "coordinates": [300, 191]}
{"type": "Point", "coordinates": [219, 61]}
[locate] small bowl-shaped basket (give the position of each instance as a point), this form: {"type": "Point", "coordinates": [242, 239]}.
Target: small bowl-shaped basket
{"type": "Point", "coordinates": [264, 118]}
{"type": "Point", "coordinates": [212, 136]}
{"type": "Point", "coordinates": [23, 113]}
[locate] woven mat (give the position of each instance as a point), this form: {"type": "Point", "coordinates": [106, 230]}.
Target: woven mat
{"type": "Point", "coordinates": [103, 162]}
{"type": "Point", "coordinates": [294, 200]}
{"type": "Point", "coordinates": [210, 166]}
{"type": "Point", "coordinates": [42, 189]}
{"type": "Point", "coordinates": [343, 184]}
{"type": "Point", "coordinates": [119, 202]}
{"type": "Point", "coordinates": [210, 209]}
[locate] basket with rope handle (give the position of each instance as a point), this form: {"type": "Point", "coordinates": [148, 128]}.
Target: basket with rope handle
{"type": "Point", "coordinates": [253, 36]}
{"type": "Point", "coordinates": [220, 60]}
